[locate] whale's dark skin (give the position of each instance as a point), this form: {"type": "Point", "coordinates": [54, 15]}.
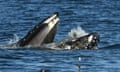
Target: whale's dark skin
{"type": "Point", "coordinates": [42, 35]}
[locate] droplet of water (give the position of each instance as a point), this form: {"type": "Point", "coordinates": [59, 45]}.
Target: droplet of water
{"type": "Point", "coordinates": [79, 58]}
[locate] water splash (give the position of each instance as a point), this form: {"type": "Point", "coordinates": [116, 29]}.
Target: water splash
{"type": "Point", "coordinates": [14, 40]}
{"type": "Point", "coordinates": [77, 32]}
{"type": "Point", "coordinates": [79, 59]}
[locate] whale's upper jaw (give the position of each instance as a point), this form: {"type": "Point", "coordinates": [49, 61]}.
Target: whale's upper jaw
{"type": "Point", "coordinates": [42, 33]}
{"type": "Point", "coordinates": [89, 41]}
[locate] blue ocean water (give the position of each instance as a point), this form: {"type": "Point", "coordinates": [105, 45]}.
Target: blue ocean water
{"type": "Point", "coordinates": [17, 17]}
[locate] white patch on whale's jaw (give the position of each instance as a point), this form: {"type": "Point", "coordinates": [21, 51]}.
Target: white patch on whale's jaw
{"type": "Point", "coordinates": [52, 23]}
{"type": "Point", "coordinates": [90, 38]}
{"type": "Point", "coordinates": [50, 19]}
{"type": "Point", "coordinates": [92, 41]}
{"type": "Point", "coordinates": [67, 47]}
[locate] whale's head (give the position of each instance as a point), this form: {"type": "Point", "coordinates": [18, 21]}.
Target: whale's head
{"type": "Point", "coordinates": [89, 41]}
{"type": "Point", "coordinates": [44, 32]}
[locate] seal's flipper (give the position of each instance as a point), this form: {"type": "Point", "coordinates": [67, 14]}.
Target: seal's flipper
{"type": "Point", "coordinates": [42, 33]}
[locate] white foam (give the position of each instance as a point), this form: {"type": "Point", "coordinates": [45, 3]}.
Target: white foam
{"type": "Point", "coordinates": [14, 40]}
{"type": "Point", "coordinates": [77, 32]}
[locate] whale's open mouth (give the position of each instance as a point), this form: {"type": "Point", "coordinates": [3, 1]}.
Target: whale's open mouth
{"type": "Point", "coordinates": [42, 33]}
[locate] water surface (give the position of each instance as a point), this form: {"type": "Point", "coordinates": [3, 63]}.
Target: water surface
{"type": "Point", "coordinates": [102, 16]}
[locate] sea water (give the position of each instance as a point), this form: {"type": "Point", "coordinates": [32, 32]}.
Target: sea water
{"type": "Point", "coordinates": [17, 17]}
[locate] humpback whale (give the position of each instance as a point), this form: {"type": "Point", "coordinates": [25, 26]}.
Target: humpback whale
{"type": "Point", "coordinates": [42, 35]}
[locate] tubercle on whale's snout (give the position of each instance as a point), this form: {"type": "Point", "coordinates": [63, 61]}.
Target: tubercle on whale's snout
{"type": "Point", "coordinates": [96, 37]}
{"type": "Point", "coordinates": [93, 44]}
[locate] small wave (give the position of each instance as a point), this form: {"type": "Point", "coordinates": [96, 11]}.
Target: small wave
{"type": "Point", "coordinates": [14, 40]}
{"type": "Point", "coordinates": [77, 32]}
{"type": "Point", "coordinates": [115, 46]}
{"type": "Point", "coordinates": [11, 43]}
